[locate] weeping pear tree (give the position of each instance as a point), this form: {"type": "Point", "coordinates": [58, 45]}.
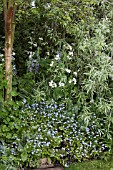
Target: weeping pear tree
{"type": "Point", "coordinates": [9, 7]}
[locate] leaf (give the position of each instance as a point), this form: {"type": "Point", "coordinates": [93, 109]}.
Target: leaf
{"type": "Point", "coordinates": [24, 156]}
{"type": "Point", "coordinates": [111, 119]}
{"type": "Point", "coordinates": [4, 158]}
{"type": "Point", "coordinates": [4, 128]}
{"type": "Point", "coordinates": [9, 135]}
{"type": "Point", "coordinates": [14, 93]}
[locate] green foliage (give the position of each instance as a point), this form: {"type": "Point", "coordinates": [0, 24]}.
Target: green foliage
{"type": "Point", "coordinates": [94, 165]}
{"type": "Point", "coordinates": [3, 83]}
{"type": "Point", "coordinates": [36, 131]}
{"type": "Point", "coordinates": [64, 79]}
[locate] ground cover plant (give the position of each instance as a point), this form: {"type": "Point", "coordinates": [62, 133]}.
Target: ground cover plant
{"type": "Point", "coordinates": [47, 131]}
{"type": "Point", "coordinates": [60, 105]}
{"type": "Point", "coordinates": [93, 165]}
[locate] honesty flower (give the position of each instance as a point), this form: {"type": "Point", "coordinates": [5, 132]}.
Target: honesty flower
{"type": "Point", "coordinates": [74, 80]}
{"type": "Point", "coordinates": [67, 70]}
{"type": "Point", "coordinates": [48, 5]}
{"type": "Point", "coordinates": [30, 55]}
{"type": "Point", "coordinates": [33, 4]}
{"type": "Point", "coordinates": [70, 47]}
{"type": "Point", "coordinates": [69, 57]}
{"type": "Point", "coordinates": [67, 46]}
{"type": "Point", "coordinates": [70, 81]}
{"type": "Point", "coordinates": [13, 53]}
{"type": "Point", "coordinates": [75, 73]}
{"type": "Point", "coordinates": [47, 53]}
{"type": "Point", "coordinates": [61, 84]}
{"type": "Point", "coordinates": [51, 64]}
{"type": "Point", "coordinates": [52, 84]}
{"type": "Point", "coordinates": [57, 57]}
{"type": "Point", "coordinates": [40, 38]}
{"type": "Point", "coordinates": [71, 53]}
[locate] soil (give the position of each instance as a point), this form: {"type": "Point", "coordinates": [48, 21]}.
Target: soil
{"type": "Point", "coordinates": [49, 168]}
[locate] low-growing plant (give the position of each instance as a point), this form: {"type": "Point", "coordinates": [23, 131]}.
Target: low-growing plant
{"type": "Point", "coordinates": [32, 132]}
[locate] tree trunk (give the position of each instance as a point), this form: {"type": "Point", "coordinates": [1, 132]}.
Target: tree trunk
{"type": "Point", "coordinates": [9, 12]}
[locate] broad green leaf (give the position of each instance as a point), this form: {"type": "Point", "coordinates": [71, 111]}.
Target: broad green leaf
{"type": "Point", "coordinates": [24, 156]}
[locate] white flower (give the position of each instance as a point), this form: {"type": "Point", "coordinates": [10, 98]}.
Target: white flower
{"type": "Point", "coordinates": [69, 57]}
{"type": "Point", "coordinates": [1, 55]}
{"type": "Point", "coordinates": [33, 4]}
{"type": "Point", "coordinates": [74, 80]}
{"type": "Point", "coordinates": [13, 53]}
{"type": "Point", "coordinates": [52, 84]}
{"type": "Point", "coordinates": [57, 57]}
{"type": "Point", "coordinates": [64, 45]}
{"type": "Point", "coordinates": [70, 47]}
{"type": "Point", "coordinates": [35, 44]}
{"type": "Point", "coordinates": [47, 53]}
{"type": "Point", "coordinates": [70, 81]}
{"type": "Point", "coordinates": [47, 5]}
{"type": "Point", "coordinates": [51, 64]}
{"type": "Point", "coordinates": [61, 84]}
{"type": "Point", "coordinates": [75, 73]}
{"type": "Point", "coordinates": [67, 46]}
{"type": "Point", "coordinates": [71, 53]}
{"type": "Point", "coordinates": [68, 71]}
{"type": "Point", "coordinates": [24, 101]}
{"type": "Point", "coordinates": [40, 38]}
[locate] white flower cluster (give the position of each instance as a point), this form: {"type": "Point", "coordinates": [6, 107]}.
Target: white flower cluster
{"type": "Point", "coordinates": [57, 57]}
{"type": "Point", "coordinates": [47, 53]}
{"type": "Point", "coordinates": [52, 63]}
{"type": "Point", "coordinates": [61, 84]}
{"type": "Point", "coordinates": [73, 80]}
{"type": "Point", "coordinates": [40, 38]}
{"type": "Point", "coordinates": [70, 54]}
{"type": "Point", "coordinates": [67, 46]}
{"type": "Point", "coordinates": [52, 84]}
{"type": "Point", "coordinates": [69, 57]}
{"type": "Point", "coordinates": [68, 70]}
{"type": "Point", "coordinates": [75, 74]}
